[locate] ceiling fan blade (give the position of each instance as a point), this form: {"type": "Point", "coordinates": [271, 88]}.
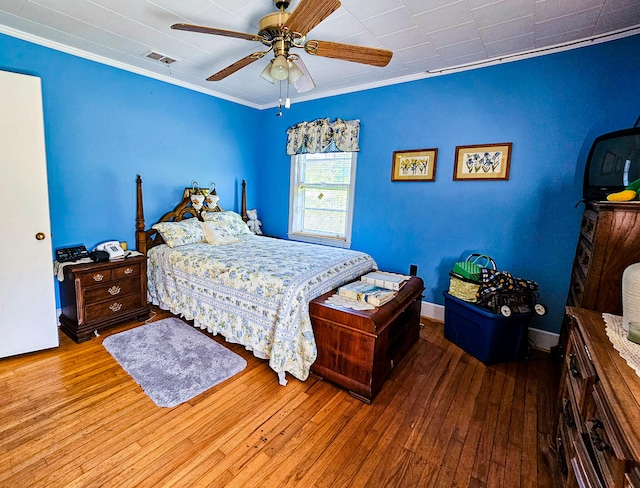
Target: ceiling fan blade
{"type": "Point", "coordinates": [349, 52]}
{"type": "Point", "coordinates": [246, 61]}
{"type": "Point", "coordinates": [218, 32]}
{"type": "Point", "coordinates": [310, 13]}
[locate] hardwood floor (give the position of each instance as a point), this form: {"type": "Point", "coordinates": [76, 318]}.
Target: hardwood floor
{"type": "Point", "coordinates": [71, 417]}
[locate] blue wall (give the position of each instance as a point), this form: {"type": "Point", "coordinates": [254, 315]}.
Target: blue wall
{"type": "Point", "coordinates": [551, 108]}
{"type": "Point", "coordinates": [104, 125]}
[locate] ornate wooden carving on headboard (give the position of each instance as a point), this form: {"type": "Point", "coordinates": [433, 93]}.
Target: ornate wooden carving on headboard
{"type": "Point", "coordinates": [146, 239]}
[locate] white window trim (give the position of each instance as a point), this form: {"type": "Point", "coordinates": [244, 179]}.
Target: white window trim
{"type": "Point", "coordinates": [318, 238]}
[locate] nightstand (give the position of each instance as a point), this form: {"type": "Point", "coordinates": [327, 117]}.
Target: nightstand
{"type": "Point", "coordinates": [98, 295]}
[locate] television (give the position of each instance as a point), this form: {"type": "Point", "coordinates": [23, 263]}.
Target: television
{"type": "Point", "coordinates": [613, 163]}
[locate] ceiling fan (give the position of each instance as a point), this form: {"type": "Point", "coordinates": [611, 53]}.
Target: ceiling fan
{"type": "Point", "coordinates": [281, 31]}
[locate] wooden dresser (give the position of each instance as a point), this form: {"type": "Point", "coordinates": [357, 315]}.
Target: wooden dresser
{"type": "Point", "coordinates": [97, 295]}
{"type": "Point", "coordinates": [598, 433]}
{"type": "Point", "coordinates": [358, 348]}
{"type": "Point", "coordinates": [609, 242]}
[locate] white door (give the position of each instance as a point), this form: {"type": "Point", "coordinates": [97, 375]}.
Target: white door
{"type": "Point", "coordinates": [27, 299]}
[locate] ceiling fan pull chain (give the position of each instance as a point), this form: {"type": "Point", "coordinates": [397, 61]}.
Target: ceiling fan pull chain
{"type": "Point", "coordinates": [279, 114]}
{"type": "Point", "coordinates": [287, 101]}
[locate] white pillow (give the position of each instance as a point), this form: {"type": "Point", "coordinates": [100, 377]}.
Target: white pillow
{"type": "Point", "coordinates": [217, 234]}
{"type": "Point", "coordinates": [229, 219]}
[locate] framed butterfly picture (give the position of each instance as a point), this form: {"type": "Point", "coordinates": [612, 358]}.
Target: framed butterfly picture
{"type": "Point", "coordinates": [483, 162]}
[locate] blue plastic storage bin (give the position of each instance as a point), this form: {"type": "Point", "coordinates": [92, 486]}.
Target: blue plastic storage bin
{"type": "Point", "coordinates": [491, 338]}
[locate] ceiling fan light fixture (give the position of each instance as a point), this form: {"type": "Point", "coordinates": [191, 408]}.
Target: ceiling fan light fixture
{"type": "Point", "coordinates": [305, 83]}
{"type": "Point", "coordinates": [279, 68]}
{"type": "Point", "coordinates": [295, 73]}
{"type": "Point", "coordinates": [266, 73]}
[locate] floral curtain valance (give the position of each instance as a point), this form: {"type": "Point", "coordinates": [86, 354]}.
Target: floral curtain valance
{"type": "Point", "coordinates": [322, 136]}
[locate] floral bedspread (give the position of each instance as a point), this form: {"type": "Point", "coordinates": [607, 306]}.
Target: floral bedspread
{"type": "Point", "coordinates": [254, 292]}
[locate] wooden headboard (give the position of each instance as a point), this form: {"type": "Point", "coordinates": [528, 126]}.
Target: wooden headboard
{"type": "Point", "coordinates": [146, 239]}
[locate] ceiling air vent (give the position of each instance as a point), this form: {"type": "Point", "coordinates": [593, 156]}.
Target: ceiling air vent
{"type": "Point", "coordinates": [159, 57]}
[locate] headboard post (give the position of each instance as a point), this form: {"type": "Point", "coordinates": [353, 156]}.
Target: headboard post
{"type": "Point", "coordinates": [244, 201]}
{"type": "Point", "coordinates": [141, 238]}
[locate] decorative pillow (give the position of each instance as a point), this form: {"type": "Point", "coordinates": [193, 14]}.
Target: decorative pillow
{"type": "Point", "coordinates": [232, 220]}
{"type": "Point", "coordinates": [217, 234]}
{"type": "Point", "coordinates": [180, 233]}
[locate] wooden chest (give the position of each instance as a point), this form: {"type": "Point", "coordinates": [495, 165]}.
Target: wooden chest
{"type": "Point", "coordinates": [97, 295]}
{"type": "Point", "coordinates": [358, 348]}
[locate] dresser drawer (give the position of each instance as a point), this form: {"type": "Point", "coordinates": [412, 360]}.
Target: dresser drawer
{"type": "Point", "coordinates": [564, 448]}
{"type": "Point", "coordinates": [570, 412]}
{"type": "Point", "coordinates": [583, 467]}
{"type": "Point", "coordinates": [588, 226]}
{"type": "Point", "coordinates": [577, 286]}
{"type": "Point", "coordinates": [111, 289]}
{"type": "Point", "coordinates": [583, 256]}
{"type": "Point", "coordinates": [582, 374]}
{"type": "Point", "coordinates": [609, 446]}
{"type": "Point", "coordinates": [112, 308]}
{"type": "Point", "coordinates": [632, 478]}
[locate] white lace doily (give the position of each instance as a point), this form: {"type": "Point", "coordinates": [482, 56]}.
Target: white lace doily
{"type": "Point", "coordinates": [348, 303]}
{"type": "Point", "coordinates": [630, 351]}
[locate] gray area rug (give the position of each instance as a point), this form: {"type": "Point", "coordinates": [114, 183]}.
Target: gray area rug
{"type": "Point", "coordinates": [172, 361]}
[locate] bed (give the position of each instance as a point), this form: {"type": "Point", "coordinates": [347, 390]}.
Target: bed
{"type": "Point", "coordinates": [252, 290]}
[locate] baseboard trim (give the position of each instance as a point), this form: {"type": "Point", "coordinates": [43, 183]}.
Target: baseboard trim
{"type": "Point", "coordinates": [432, 311]}
{"type": "Point", "coordinates": [543, 339]}
{"type": "Point", "coordinates": [539, 339]}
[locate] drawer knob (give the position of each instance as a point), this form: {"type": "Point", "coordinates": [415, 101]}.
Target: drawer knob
{"type": "Point", "coordinates": [128, 271]}
{"type": "Point", "coordinates": [573, 366]}
{"type": "Point", "coordinates": [114, 290]}
{"type": "Point", "coordinates": [98, 277]}
{"type": "Point", "coordinates": [114, 307]}
{"type": "Point", "coordinates": [596, 439]}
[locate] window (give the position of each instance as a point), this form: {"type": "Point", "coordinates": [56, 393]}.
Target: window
{"type": "Point", "coordinates": [321, 200]}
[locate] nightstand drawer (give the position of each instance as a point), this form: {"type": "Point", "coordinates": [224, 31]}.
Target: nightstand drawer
{"type": "Point", "coordinates": [112, 308]}
{"type": "Point", "coordinates": [101, 276]}
{"type": "Point", "coordinates": [128, 271]}
{"type": "Point", "coordinates": [97, 277]}
{"type": "Point", "coordinates": [111, 290]}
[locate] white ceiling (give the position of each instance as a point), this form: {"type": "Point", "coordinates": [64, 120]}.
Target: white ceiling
{"type": "Point", "coordinates": [426, 36]}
